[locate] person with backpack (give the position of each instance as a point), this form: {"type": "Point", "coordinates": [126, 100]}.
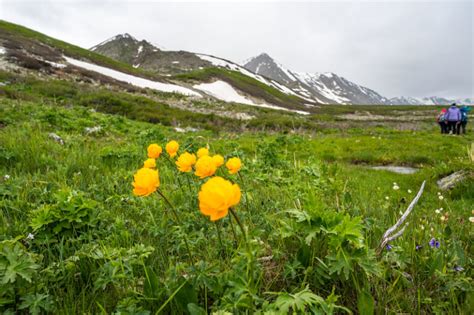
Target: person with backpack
{"type": "Point", "coordinates": [441, 119]}
{"type": "Point", "coordinates": [453, 117]}
{"type": "Point", "coordinates": [464, 117]}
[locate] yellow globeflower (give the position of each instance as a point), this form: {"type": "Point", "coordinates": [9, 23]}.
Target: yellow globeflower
{"type": "Point", "coordinates": [154, 151]}
{"type": "Point", "coordinates": [150, 163]}
{"type": "Point", "coordinates": [205, 167]}
{"type": "Point", "coordinates": [186, 161]}
{"type": "Point", "coordinates": [145, 181]}
{"type": "Point", "coordinates": [202, 152]}
{"type": "Point", "coordinates": [218, 160]}
{"type": "Point", "coordinates": [172, 148]}
{"type": "Point", "coordinates": [233, 165]}
{"type": "Point", "coordinates": [216, 196]}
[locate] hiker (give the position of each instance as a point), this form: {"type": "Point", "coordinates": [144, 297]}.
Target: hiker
{"type": "Point", "coordinates": [464, 113]}
{"type": "Point", "coordinates": [441, 119]}
{"type": "Point", "coordinates": [453, 117]}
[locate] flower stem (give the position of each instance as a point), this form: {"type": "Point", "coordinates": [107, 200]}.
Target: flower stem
{"type": "Point", "coordinates": [247, 246]}
{"type": "Point", "coordinates": [240, 226]}
{"type": "Point", "coordinates": [173, 210]}
{"type": "Point", "coordinates": [173, 167]}
{"type": "Point", "coordinates": [246, 197]}
{"type": "Point", "coordinates": [233, 231]}
{"type": "Point", "coordinates": [219, 237]}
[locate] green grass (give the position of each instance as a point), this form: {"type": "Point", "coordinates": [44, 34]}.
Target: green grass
{"type": "Point", "coordinates": [313, 216]}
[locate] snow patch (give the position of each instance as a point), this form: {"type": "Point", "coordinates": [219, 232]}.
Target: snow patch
{"type": "Point", "coordinates": [56, 65]}
{"type": "Point", "coordinates": [224, 91]}
{"type": "Point", "coordinates": [137, 81]}
{"type": "Point", "coordinates": [3, 51]}
{"type": "Point", "coordinates": [140, 49]}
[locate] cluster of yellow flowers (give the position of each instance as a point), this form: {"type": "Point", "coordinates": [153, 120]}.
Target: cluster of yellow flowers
{"type": "Point", "coordinates": [216, 196]}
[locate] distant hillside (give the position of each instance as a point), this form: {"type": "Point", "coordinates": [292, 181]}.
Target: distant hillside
{"type": "Point", "coordinates": [142, 54]}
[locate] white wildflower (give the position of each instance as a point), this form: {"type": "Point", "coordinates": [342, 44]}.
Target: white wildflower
{"type": "Point", "coordinates": [438, 211]}
{"type": "Point", "coordinates": [471, 219]}
{"type": "Point", "coordinates": [395, 187]}
{"type": "Point", "coordinates": [386, 198]}
{"type": "Point", "coordinates": [30, 236]}
{"type": "Point", "coordinates": [440, 197]}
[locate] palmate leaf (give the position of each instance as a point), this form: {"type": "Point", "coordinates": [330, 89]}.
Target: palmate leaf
{"type": "Point", "coordinates": [340, 262]}
{"type": "Point", "coordinates": [297, 302]}
{"type": "Point", "coordinates": [349, 229]}
{"type": "Point", "coordinates": [16, 262]}
{"type": "Point", "coordinates": [35, 303]}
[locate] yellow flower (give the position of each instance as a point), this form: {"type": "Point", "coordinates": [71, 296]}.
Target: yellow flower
{"type": "Point", "coordinates": [186, 161]}
{"type": "Point", "coordinates": [233, 165]}
{"type": "Point", "coordinates": [218, 160]}
{"type": "Point", "coordinates": [146, 181]}
{"type": "Point", "coordinates": [202, 152]}
{"type": "Point", "coordinates": [172, 148]}
{"type": "Point", "coordinates": [216, 196]}
{"type": "Point", "coordinates": [205, 166]}
{"type": "Point", "coordinates": [154, 151]}
{"type": "Point", "coordinates": [150, 163]}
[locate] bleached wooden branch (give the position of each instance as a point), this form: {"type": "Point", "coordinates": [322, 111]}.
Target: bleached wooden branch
{"type": "Point", "coordinates": [387, 237]}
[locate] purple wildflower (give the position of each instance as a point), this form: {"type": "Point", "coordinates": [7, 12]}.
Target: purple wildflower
{"type": "Point", "coordinates": [389, 247]}
{"type": "Point", "coordinates": [418, 247]}
{"type": "Point", "coordinates": [434, 243]}
{"type": "Point", "coordinates": [458, 268]}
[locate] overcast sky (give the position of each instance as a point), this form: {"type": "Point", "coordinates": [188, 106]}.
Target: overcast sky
{"type": "Point", "coordinates": [411, 48]}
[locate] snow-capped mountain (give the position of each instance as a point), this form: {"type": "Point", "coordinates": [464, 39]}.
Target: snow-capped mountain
{"type": "Point", "coordinates": [321, 88]}
{"type": "Point", "coordinates": [326, 88]}
{"type": "Point", "coordinates": [432, 100]}
{"type": "Point", "coordinates": [143, 54]}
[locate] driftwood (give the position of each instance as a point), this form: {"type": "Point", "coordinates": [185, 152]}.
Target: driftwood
{"type": "Point", "coordinates": [388, 235]}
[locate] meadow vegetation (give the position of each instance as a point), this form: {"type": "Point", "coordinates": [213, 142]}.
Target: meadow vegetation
{"type": "Point", "coordinates": [75, 239]}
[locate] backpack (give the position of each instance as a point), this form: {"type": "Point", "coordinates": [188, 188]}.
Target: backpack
{"type": "Point", "coordinates": [463, 116]}
{"type": "Point", "coordinates": [441, 117]}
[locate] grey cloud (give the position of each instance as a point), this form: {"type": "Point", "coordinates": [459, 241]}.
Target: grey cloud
{"type": "Point", "coordinates": [417, 48]}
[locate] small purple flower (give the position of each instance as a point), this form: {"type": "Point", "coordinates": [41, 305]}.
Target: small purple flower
{"type": "Point", "coordinates": [418, 247]}
{"type": "Point", "coordinates": [458, 268]}
{"type": "Point", "coordinates": [434, 243]}
{"type": "Point", "coordinates": [389, 247]}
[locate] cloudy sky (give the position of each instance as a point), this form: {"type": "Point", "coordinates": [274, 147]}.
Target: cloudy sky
{"type": "Point", "coordinates": [412, 48]}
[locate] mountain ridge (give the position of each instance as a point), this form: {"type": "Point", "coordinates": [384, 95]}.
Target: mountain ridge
{"type": "Point", "coordinates": [326, 87]}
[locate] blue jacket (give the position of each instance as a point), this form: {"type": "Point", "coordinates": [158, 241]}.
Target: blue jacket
{"type": "Point", "coordinates": [464, 110]}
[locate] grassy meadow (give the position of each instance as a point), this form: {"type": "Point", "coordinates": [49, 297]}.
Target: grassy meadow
{"type": "Point", "coordinates": [75, 240]}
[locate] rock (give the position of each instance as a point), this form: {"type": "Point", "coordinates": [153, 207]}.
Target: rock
{"type": "Point", "coordinates": [187, 129]}
{"type": "Point", "coordinates": [452, 180]}
{"type": "Point", "coordinates": [56, 138]}
{"type": "Point", "coordinates": [95, 129]}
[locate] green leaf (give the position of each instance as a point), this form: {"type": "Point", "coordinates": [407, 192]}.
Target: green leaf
{"type": "Point", "coordinates": [365, 303]}
{"type": "Point", "coordinates": [196, 309]}
{"type": "Point", "coordinates": [18, 263]}
{"type": "Point", "coordinates": [152, 283]}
